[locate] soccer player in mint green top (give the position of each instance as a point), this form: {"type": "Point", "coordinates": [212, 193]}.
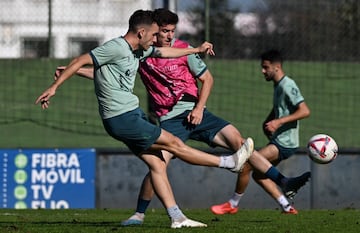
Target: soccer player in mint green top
{"type": "Point", "coordinates": [115, 64]}
{"type": "Point", "coordinates": [281, 127]}
{"type": "Point", "coordinates": [287, 98]}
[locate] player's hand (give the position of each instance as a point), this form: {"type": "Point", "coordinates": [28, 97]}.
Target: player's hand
{"type": "Point", "coordinates": [272, 126]}
{"type": "Point", "coordinates": [267, 133]}
{"type": "Point", "coordinates": [44, 98]}
{"type": "Point", "coordinates": [195, 116]}
{"type": "Point", "coordinates": [59, 71]}
{"type": "Point", "coordinates": [207, 48]}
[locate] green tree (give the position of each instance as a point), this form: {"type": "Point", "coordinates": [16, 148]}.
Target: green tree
{"type": "Point", "coordinates": [315, 29]}
{"type": "Point", "coordinates": [221, 27]}
{"type": "Point", "coordinates": [349, 24]}
{"type": "Point", "coordinates": [303, 30]}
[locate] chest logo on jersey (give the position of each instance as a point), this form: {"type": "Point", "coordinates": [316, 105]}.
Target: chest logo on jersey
{"type": "Point", "coordinates": [169, 68]}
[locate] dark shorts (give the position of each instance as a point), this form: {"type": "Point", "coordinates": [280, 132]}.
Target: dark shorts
{"type": "Point", "coordinates": [134, 129]}
{"type": "Point", "coordinates": [284, 153]}
{"type": "Point", "coordinates": [204, 132]}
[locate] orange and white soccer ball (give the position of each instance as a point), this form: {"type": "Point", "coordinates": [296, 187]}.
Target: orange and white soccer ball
{"type": "Point", "coordinates": [322, 148]}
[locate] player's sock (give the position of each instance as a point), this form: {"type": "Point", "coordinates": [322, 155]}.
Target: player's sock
{"type": "Point", "coordinates": [284, 203]}
{"type": "Point", "coordinates": [227, 161]}
{"type": "Point", "coordinates": [276, 176]}
{"type": "Point", "coordinates": [176, 214]}
{"type": "Point", "coordinates": [142, 205]}
{"type": "Point", "coordinates": [235, 199]}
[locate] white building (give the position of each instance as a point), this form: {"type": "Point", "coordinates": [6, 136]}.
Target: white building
{"type": "Point", "coordinates": [77, 25]}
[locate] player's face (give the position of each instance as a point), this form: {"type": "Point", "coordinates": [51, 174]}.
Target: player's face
{"type": "Point", "coordinates": [148, 36]}
{"type": "Point", "coordinates": [165, 35]}
{"type": "Point", "coordinates": [268, 70]}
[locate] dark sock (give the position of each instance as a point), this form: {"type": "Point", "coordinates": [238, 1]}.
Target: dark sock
{"type": "Point", "coordinates": [142, 205]}
{"type": "Point", "coordinates": [276, 176]}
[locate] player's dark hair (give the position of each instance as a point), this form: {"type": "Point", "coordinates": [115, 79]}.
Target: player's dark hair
{"type": "Point", "coordinates": [272, 56]}
{"type": "Point", "coordinates": [164, 17]}
{"type": "Point", "coordinates": [140, 17]}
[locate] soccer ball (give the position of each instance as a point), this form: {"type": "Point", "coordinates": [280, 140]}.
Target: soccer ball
{"type": "Point", "coordinates": [322, 148]}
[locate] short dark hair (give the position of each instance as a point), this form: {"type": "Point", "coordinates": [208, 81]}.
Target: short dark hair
{"type": "Point", "coordinates": [140, 17]}
{"type": "Point", "coordinates": [272, 55]}
{"type": "Point", "coordinates": [164, 17]}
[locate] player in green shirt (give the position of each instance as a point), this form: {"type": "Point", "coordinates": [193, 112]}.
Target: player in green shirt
{"type": "Point", "coordinates": [282, 129]}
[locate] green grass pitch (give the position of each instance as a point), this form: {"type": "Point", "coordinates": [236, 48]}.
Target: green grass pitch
{"type": "Point", "coordinates": [108, 220]}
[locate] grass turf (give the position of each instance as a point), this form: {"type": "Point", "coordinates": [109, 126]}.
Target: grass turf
{"type": "Point", "coordinates": [108, 220]}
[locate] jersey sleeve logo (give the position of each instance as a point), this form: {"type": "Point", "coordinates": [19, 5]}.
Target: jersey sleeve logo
{"type": "Point", "coordinates": [294, 91]}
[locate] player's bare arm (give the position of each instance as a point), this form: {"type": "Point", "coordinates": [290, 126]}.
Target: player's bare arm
{"type": "Point", "coordinates": [269, 118]}
{"type": "Point", "coordinates": [70, 70]}
{"type": "Point", "coordinates": [301, 112]}
{"type": "Point", "coordinates": [170, 52]}
{"type": "Point", "coordinates": [207, 81]}
{"type": "Point", "coordinates": [85, 72]}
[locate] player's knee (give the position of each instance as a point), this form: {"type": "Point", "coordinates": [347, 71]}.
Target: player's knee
{"type": "Point", "coordinates": [175, 142]}
{"type": "Point", "coordinates": [247, 168]}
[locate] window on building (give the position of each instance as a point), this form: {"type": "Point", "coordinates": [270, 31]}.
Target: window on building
{"type": "Point", "coordinates": [35, 47]}
{"type": "Point", "coordinates": [80, 46]}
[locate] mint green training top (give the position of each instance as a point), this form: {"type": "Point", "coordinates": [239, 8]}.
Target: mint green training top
{"type": "Point", "coordinates": [115, 68]}
{"type": "Point", "coordinates": [287, 97]}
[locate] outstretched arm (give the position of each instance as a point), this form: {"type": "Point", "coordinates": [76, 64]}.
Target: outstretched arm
{"type": "Point", "coordinates": [70, 70]}
{"type": "Point", "coordinates": [170, 52]}
{"type": "Point", "coordinates": [85, 72]}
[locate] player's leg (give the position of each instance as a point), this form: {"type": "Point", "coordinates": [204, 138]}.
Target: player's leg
{"type": "Point", "coordinates": [145, 195]}
{"type": "Point", "coordinates": [143, 201]}
{"type": "Point", "coordinates": [229, 137]}
{"type": "Point", "coordinates": [138, 134]}
{"type": "Point", "coordinates": [290, 186]}
{"type": "Point", "coordinates": [162, 187]}
{"type": "Point", "coordinates": [242, 182]}
{"type": "Point", "coordinates": [271, 152]}
{"type": "Point", "coordinates": [234, 162]}
{"type": "Point", "coordinates": [257, 161]}
{"type": "Point", "coordinates": [272, 189]}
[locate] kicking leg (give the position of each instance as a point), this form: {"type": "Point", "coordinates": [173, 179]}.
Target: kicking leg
{"type": "Point", "coordinates": [234, 162]}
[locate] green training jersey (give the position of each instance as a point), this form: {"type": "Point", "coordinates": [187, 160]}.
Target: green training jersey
{"type": "Point", "coordinates": [287, 97]}
{"type": "Point", "coordinates": [115, 67]}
